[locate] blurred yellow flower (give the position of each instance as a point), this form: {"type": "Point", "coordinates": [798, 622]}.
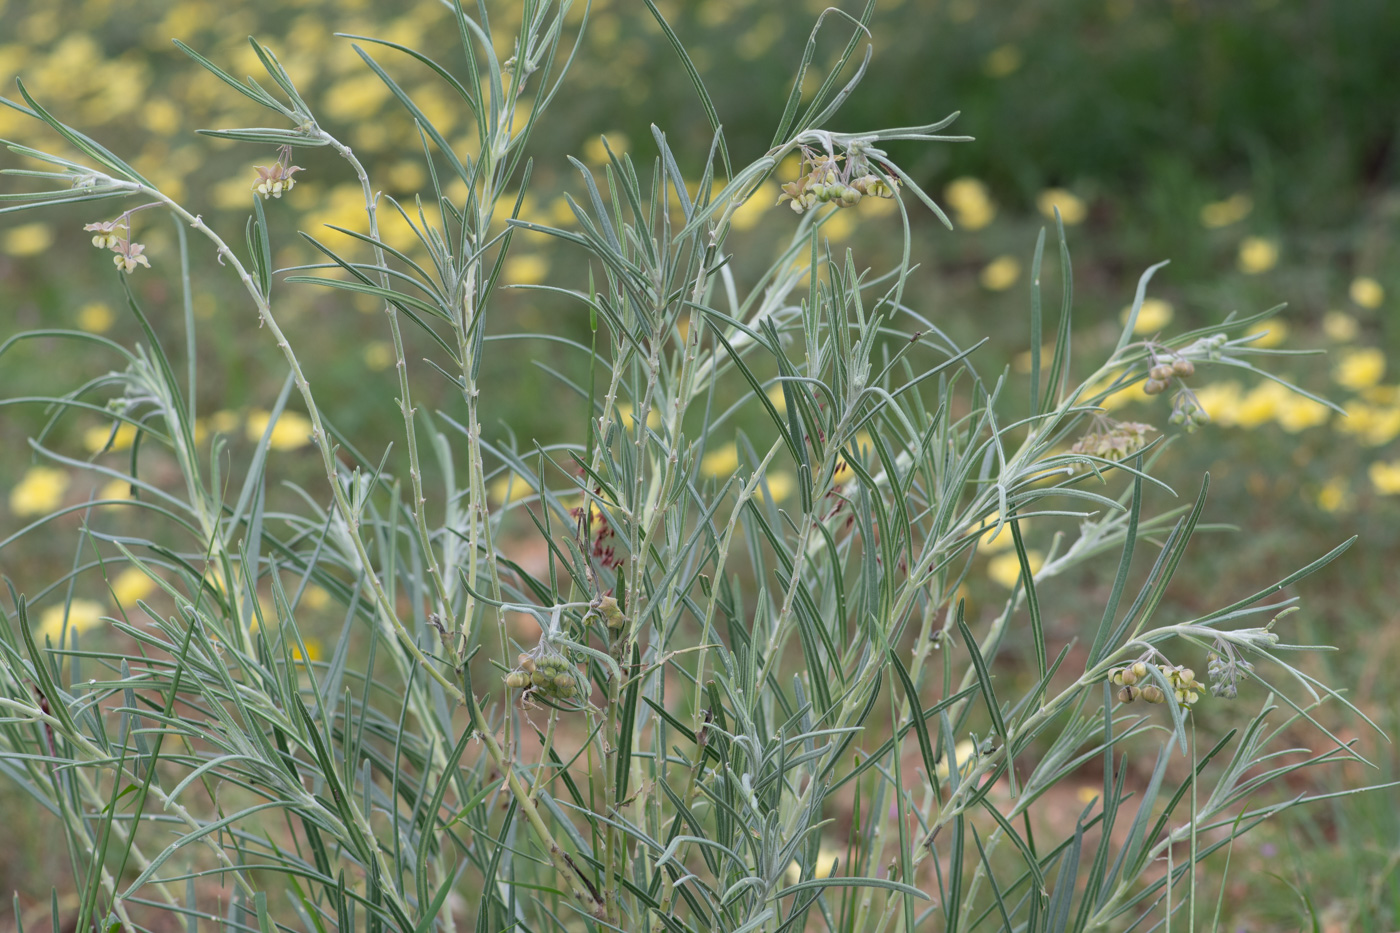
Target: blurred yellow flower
{"type": "Point", "coordinates": [595, 153]}
{"type": "Point", "coordinates": [966, 754]}
{"type": "Point", "coordinates": [130, 585]}
{"type": "Point", "coordinates": [972, 205]}
{"type": "Point", "coordinates": [1359, 369]}
{"type": "Point", "coordinates": [1385, 477]}
{"type": "Point", "coordinates": [405, 176]}
{"type": "Point", "coordinates": [1270, 333]}
{"type": "Point", "coordinates": [314, 650]}
{"type": "Point", "coordinates": [525, 269]}
{"type": "Point", "coordinates": [510, 487]}
{"type": "Point", "coordinates": [1000, 274]}
{"type": "Point", "coordinates": [1072, 209]}
{"type": "Point", "coordinates": [994, 540]}
{"type": "Point", "coordinates": [115, 489]}
{"type": "Point", "coordinates": [1340, 326]}
{"type": "Point", "coordinates": [1374, 425]}
{"type": "Point", "coordinates": [1002, 61]}
{"type": "Point", "coordinates": [96, 317]}
{"type": "Point", "coordinates": [775, 395]}
{"type": "Point", "coordinates": [747, 215]}
{"type": "Point", "coordinates": [27, 239]}
{"type": "Point", "coordinates": [95, 438]}
{"type": "Point", "coordinates": [1005, 569]}
{"type": "Point", "coordinates": [1257, 254]}
{"type": "Point", "coordinates": [1123, 396]}
{"type": "Point", "coordinates": [826, 864]}
{"type": "Point", "coordinates": [315, 597]}
{"type": "Point", "coordinates": [780, 485]}
{"type": "Point", "coordinates": [160, 115]}
{"type": "Point", "coordinates": [1366, 292]}
{"type": "Point", "coordinates": [82, 615]}
{"type": "Point", "coordinates": [378, 355]}
{"type": "Point", "coordinates": [224, 421]}
{"type": "Point", "coordinates": [1152, 316]}
{"type": "Point", "coordinates": [1335, 495]}
{"type": "Point", "coordinates": [39, 491]}
{"type": "Point", "coordinates": [839, 225]}
{"type": "Point", "coordinates": [720, 462]}
{"type": "Point", "coordinates": [1297, 413]}
{"type": "Point", "coordinates": [1221, 400]}
{"type": "Point", "coordinates": [355, 99]}
{"type": "Point", "coordinates": [624, 414]}
{"type": "Point", "coordinates": [1233, 209]}
{"type": "Point", "coordinates": [291, 431]}
{"type": "Point", "coordinates": [1023, 360]}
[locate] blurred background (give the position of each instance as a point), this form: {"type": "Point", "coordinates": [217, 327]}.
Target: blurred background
{"type": "Point", "coordinates": [1253, 143]}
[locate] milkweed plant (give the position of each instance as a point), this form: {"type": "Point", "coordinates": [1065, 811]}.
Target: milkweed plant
{"type": "Point", "coordinates": [712, 706]}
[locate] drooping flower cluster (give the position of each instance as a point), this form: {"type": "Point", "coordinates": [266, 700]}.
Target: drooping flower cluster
{"type": "Point", "coordinates": [825, 181]}
{"type": "Point", "coordinates": [276, 179]}
{"type": "Point", "coordinates": [116, 236]}
{"type": "Point", "coordinates": [1225, 671]}
{"type": "Point", "coordinates": [1136, 681]}
{"type": "Point", "coordinates": [1113, 440]}
{"type": "Point", "coordinates": [545, 671]}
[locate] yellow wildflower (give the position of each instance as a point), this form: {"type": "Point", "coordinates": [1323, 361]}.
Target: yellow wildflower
{"type": "Point", "coordinates": [595, 153]}
{"type": "Point", "coordinates": [82, 615]}
{"type": "Point", "coordinates": [96, 317]}
{"type": "Point", "coordinates": [315, 597]}
{"type": "Point", "coordinates": [1335, 495]}
{"type": "Point", "coordinates": [1152, 316]}
{"type": "Point", "coordinates": [1233, 209]}
{"type": "Point", "coordinates": [1374, 425]}
{"type": "Point", "coordinates": [314, 650]}
{"type": "Point", "coordinates": [1221, 401]}
{"type": "Point", "coordinates": [972, 205]}
{"type": "Point", "coordinates": [1385, 477]}
{"type": "Point", "coordinates": [1261, 404]}
{"type": "Point", "coordinates": [780, 485]}
{"type": "Point", "coordinates": [1001, 273]}
{"type": "Point", "coordinates": [510, 487]}
{"type": "Point", "coordinates": [1340, 326]}
{"type": "Point", "coordinates": [115, 489]}
{"type": "Point", "coordinates": [27, 239]}
{"type": "Point", "coordinates": [1072, 209]}
{"type": "Point", "coordinates": [39, 491]}
{"type": "Point", "coordinates": [1257, 254]}
{"type": "Point", "coordinates": [826, 864]}
{"type": "Point", "coordinates": [1296, 413]}
{"type": "Point", "coordinates": [747, 215]}
{"type": "Point", "coordinates": [1005, 568]}
{"type": "Point", "coordinates": [291, 431]}
{"type": "Point", "coordinates": [720, 462]}
{"type": "Point", "coordinates": [1367, 292]}
{"type": "Point", "coordinates": [378, 355]}
{"type": "Point", "coordinates": [1002, 61]}
{"type": "Point", "coordinates": [130, 585]}
{"type": "Point", "coordinates": [1270, 333]}
{"type": "Point", "coordinates": [1359, 369]}
{"type": "Point", "coordinates": [525, 269]}
{"type": "Point", "coordinates": [95, 438]}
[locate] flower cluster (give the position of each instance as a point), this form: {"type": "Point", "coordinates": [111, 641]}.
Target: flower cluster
{"type": "Point", "coordinates": [1161, 375]}
{"type": "Point", "coordinates": [1182, 680]}
{"type": "Point", "coordinates": [544, 670]}
{"type": "Point", "coordinates": [1225, 671]}
{"type": "Point", "coordinates": [275, 179]}
{"type": "Point", "coordinates": [1114, 440]}
{"type": "Point", "coordinates": [826, 182]}
{"type": "Point", "coordinates": [116, 236]}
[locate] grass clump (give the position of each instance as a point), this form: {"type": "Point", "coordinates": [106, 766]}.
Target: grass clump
{"type": "Point", "coordinates": [704, 662]}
